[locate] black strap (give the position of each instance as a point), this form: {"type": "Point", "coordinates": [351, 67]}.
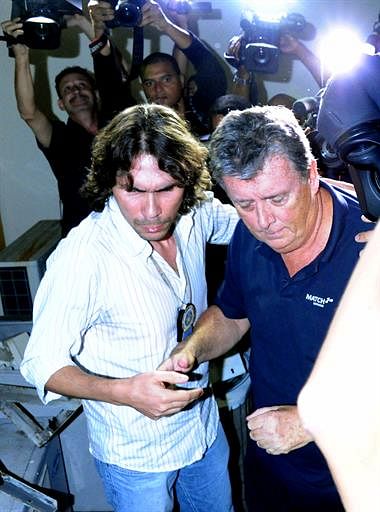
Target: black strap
{"type": "Point", "coordinates": [137, 51]}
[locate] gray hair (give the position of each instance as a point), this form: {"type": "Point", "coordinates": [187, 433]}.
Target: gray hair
{"type": "Point", "coordinates": [245, 140]}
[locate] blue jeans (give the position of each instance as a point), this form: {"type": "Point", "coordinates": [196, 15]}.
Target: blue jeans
{"type": "Point", "coordinates": [203, 486]}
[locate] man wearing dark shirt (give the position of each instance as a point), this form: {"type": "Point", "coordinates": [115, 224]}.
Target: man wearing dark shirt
{"type": "Point", "coordinates": [289, 261]}
{"type": "Point", "coordinates": [67, 146]}
{"type": "Point", "coordinates": [161, 76]}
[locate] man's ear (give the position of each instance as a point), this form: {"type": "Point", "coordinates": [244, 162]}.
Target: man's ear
{"type": "Point", "coordinates": [60, 104]}
{"type": "Point", "coordinates": [216, 120]}
{"type": "Point", "coordinates": [314, 176]}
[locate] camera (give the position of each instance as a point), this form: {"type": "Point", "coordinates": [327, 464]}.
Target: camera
{"type": "Point", "coordinates": [306, 110]}
{"type": "Point", "coordinates": [329, 163]}
{"type": "Point", "coordinates": [127, 13]}
{"type": "Point", "coordinates": [42, 21]}
{"type": "Point", "coordinates": [349, 120]}
{"type": "Point", "coordinates": [259, 50]}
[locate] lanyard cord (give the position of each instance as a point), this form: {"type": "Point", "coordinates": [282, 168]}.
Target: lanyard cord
{"type": "Point", "coordinates": [166, 280]}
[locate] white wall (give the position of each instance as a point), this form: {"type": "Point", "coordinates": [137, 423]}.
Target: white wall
{"type": "Point", "coordinates": [28, 191]}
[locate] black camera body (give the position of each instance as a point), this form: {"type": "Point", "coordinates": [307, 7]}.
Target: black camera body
{"type": "Point", "coordinates": [128, 13]}
{"type": "Point", "coordinates": [349, 120]}
{"type": "Point", "coordinates": [260, 43]}
{"type": "Point", "coordinates": [42, 21]}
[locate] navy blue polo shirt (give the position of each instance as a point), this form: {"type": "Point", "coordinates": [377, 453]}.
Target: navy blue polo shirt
{"type": "Point", "coordinates": [289, 316]}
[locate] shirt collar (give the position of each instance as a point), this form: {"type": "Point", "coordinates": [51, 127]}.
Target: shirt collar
{"type": "Point", "coordinates": [340, 209]}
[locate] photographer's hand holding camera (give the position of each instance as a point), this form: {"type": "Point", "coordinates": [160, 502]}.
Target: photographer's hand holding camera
{"type": "Point", "coordinates": [291, 45]}
{"type": "Point", "coordinates": [161, 75]}
{"type": "Point", "coordinates": [80, 21]}
{"type": "Point", "coordinates": [153, 15]}
{"type": "Point", "coordinates": [36, 120]}
{"type": "Point", "coordinates": [112, 70]}
{"type": "Point", "coordinates": [243, 79]}
{"type": "Point", "coordinates": [66, 146]}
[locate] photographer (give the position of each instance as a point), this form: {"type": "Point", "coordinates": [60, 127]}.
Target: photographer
{"type": "Point", "coordinates": [66, 146]}
{"type": "Point", "coordinates": [161, 77]}
{"type": "Point", "coordinates": [244, 82]}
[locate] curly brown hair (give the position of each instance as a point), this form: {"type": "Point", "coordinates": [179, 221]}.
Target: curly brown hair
{"type": "Point", "coordinates": [153, 130]}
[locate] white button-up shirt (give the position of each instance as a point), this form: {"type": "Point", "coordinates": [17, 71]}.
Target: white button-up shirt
{"type": "Point", "coordinates": [103, 305]}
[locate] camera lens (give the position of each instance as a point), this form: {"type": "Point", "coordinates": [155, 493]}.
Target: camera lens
{"type": "Point", "coordinates": [41, 34]}
{"type": "Point", "coordinates": [129, 14]}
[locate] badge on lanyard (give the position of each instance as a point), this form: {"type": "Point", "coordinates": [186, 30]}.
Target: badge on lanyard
{"type": "Point", "coordinates": [185, 321]}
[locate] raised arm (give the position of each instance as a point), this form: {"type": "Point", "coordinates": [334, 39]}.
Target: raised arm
{"type": "Point", "coordinates": [182, 21]}
{"type": "Point", "coordinates": [243, 79]}
{"type": "Point", "coordinates": [291, 45]}
{"type": "Point", "coordinates": [24, 87]}
{"type": "Point", "coordinates": [154, 16]}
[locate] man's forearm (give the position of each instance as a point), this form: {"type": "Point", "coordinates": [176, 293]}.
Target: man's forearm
{"type": "Point", "coordinates": [73, 382]}
{"type": "Point", "coordinates": [153, 394]}
{"type": "Point", "coordinates": [312, 63]}
{"type": "Point", "coordinates": [180, 36]}
{"type": "Point", "coordinates": [24, 87]}
{"type": "Point", "coordinates": [214, 334]}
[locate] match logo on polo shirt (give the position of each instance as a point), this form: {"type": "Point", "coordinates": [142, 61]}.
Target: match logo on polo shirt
{"type": "Point", "coordinates": [321, 302]}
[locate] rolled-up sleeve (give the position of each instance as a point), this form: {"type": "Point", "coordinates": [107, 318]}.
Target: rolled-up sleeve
{"type": "Point", "coordinates": [64, 307]}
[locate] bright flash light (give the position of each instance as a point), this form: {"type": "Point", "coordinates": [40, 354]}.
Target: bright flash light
{"type": "Point", "coordinates": [269, 10]}
{"type": "Point", "coordinates": [41, 19]}
{"type": "Point", "coordinates": [341, 50]}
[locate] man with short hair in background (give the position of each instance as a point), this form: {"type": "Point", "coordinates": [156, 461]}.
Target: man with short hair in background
{"type": "Point", "coordinates": [162, 77]}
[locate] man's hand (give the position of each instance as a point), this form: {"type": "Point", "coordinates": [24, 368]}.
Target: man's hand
{"type": "Point", "coordinates": [234, 46]}
{"type": "Point", "coordinates": [100, 12]}
{"type": "Point", "coordinates": [171, 10]}
{"type": "Point", "coordinates": [289, 44]}
{"type": "Point", "coordinates": [181, 360]}
{"type": "Point", "coordinates": [13, 28]}
{"type": "Point", "coordinates": [364, 236]}
{"type": "Point", "coordinates": [154, 394]}
{"type": "Point", "coordinates": [80, 21]}
{"type": "Point", "coordinates": [278, 429]}
{"type": "Point", "coordinates": [154, 15]}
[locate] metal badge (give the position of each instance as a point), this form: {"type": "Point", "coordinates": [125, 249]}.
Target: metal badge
{"type": "Point", "coordinates": [185, 321]}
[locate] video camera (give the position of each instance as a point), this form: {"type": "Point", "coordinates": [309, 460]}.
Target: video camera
{"type": "Point", "coordinates": [349, 121]}
{"type": "Point", "coordinates": [330, 165]}
{"type": "Point", "coordinates": [43, 20]}
{"type": "Point", "coordinates": [260, 43]}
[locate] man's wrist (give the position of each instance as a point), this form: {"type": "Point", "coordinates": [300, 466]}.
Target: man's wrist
{"type": "Point", "coordinates": [238, 80]}
{"type": "Point", "coordinates": [98, 44]}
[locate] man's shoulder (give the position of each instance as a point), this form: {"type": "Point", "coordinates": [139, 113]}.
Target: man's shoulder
{"type": "Point", "coordinates": [81, 239]}
{"type": "Point", "coordinates": [211, 206]}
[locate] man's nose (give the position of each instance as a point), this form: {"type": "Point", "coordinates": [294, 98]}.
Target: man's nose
{"type": "Point", "coordinates": [264, 216]}
{"type": "Point", "coordinates": [158, 86]}
{"type": "Point", "coordinates": [152, 208]}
